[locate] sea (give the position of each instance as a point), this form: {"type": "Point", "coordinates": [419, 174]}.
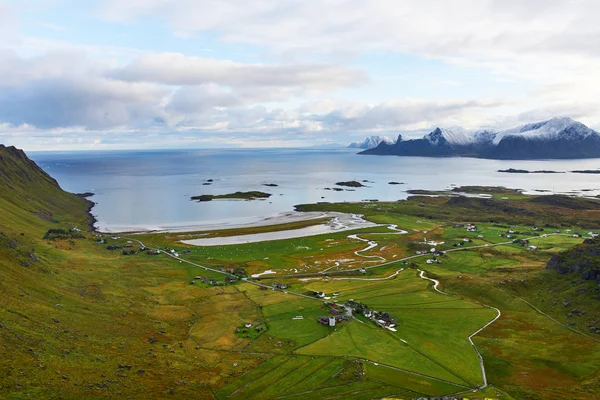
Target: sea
{"type": "Point", "coordinates": [138, 190]}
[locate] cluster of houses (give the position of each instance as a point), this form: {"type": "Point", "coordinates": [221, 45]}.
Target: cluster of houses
{"type": "Point", "coordinates": [469, 227]}
{"type": "Point", "coordinates": [279, 286]}
{"type": "Point", "coordinates": [214, 282]}
{"type": "Point", "coordinates": [248, 325]}
{"type": "Point", "coordinates": [433, 251]}
{"type": "Point", "coordinates": [379, 318]}
{"type": "Point", "coordinates": [331, 320]}
{"type": "Point", "coordinates": [465, 240]}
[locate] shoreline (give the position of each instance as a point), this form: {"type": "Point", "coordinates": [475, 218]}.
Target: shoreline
{"type": "Point", "coordinates": [275, 219]}
{"type": "Point", "coordinates": [340, 222]}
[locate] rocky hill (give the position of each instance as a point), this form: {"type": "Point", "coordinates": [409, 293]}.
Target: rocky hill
{"type": "Point", "coordinates": [582, 260]}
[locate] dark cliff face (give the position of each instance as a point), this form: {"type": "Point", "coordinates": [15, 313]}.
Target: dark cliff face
{"type": "Point", "coordinates": [519, 148]}
{"type": "Point", "coordinates": [583, 260]}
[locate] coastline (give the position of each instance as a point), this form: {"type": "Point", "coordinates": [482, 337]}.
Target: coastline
{"type": "Point", "coordinates": [340, 222]}
{"type": "Point", "coordinates": [92, 220]}
{"type": "Point", "coordinates": [250, 222]}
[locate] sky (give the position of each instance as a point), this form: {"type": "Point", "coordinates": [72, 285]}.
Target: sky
{"type": "Point", "coordinates": [136, 74]}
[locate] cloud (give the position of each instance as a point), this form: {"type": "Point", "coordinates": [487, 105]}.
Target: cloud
{"type": "Point", "coordinates": [425, 26]}
{"type": "Point", "coordinates": [307, 84]}
{"type": "Point", "coordinates": [404, 115]}
{"type": "Point", "coordinates": [178, 69]}
{"type": "Point", "coordinates": [68, 89]}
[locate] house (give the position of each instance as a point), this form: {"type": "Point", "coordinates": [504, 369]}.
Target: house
{"type": "Point", "coordinates": [248, 325]}
{"type": "Point", "coordinates": [532, 248]}
{"type": "Point", "coordinates": [432, 250]}
{"type": "Point", "coordinates": [280, 286]}
{"type": "Point", "coordinates": [480, 236]}
{"type": "Point", "coordinates": [197, 278]}
{"type": "Point", "coordinates": [362, 271]}
{"type": "Point", "coordinates": [331, 321]}
{"type": "Point", "coordinates": [593, 234]}
{"type": "Point", "coordinates": [429, 261]}
{"type": "Point", "coordinates": [368, 313]}
{"type": "Point", "coordinates": [320, 295]}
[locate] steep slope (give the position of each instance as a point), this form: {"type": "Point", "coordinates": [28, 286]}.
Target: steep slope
{"type": "Point", "coordinates": [583, 260]}
{"type": "Point", "coordinates": [558, 138]}
{"type": "Point", "coordinates": [31, 200]}
{"type": "Point", "coordinates": [78, 321]}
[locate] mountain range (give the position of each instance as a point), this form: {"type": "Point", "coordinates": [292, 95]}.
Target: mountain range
{"type": "Point", "coordinates": [557, 138]}
{"type": "Point", "coordinates": [371, 142]}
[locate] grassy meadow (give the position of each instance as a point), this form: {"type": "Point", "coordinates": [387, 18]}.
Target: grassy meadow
{"type": "Point", "coordinates": [79, 320]}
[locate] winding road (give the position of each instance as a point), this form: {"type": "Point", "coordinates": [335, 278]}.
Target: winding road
{"type": "Point", "coordinates": [370, 245]}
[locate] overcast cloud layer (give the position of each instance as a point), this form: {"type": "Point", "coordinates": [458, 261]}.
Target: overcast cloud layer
{"type": "Point", "coordinates": [179, 73]}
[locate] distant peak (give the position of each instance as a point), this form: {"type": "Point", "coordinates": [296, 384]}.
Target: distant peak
{"type": "Point", "coordinates": [371, 142]}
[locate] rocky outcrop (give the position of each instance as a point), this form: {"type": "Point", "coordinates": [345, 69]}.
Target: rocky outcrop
{"type": "Point", "coordinates": [583, 260]}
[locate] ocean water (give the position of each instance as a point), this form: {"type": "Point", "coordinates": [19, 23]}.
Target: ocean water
{"type": "Point", "coordinates": [152, 189]}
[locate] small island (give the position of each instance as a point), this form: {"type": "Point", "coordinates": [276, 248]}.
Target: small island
{"type": "Point", "coordinates": [396, 183]}
{"type": "Point", "coordinates": [254, 195]}
{"type": "Point", "coordinates": [586, 171]}
{"type": "Point", "coordinates": [350, 184]}
{"type": "Point", "coordinates": [270, 184]}
{"type": "Point", "coordinates": [524, 171]}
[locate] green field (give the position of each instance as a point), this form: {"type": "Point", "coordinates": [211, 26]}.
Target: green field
{"type": "Point", "coordinates": [78, 320]}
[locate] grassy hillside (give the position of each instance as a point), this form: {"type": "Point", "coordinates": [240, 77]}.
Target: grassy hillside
{"type": "Point", "coordinates": [88, 316]}
{"type": "Point", "coordinates": [80, 321]}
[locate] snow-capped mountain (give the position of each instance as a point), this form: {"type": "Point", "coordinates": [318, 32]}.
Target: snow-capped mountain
{"type": "Point", "coordinates": [555, 138]}
{"type": "Point", "coordinates": [556, 128]}
{"type": "Point", "coordinates": [370, 142]}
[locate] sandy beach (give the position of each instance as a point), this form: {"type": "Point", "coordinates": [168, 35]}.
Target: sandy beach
{"type": "Point", "coordinates": [339, 222]}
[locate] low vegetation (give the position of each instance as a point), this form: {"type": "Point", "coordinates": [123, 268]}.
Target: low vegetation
{"type": "Point", "coordinates": [78, 321]}
{"type": "Point", "coordinates": [233, 196]}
